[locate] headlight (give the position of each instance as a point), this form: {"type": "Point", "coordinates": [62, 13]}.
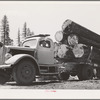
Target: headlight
{"type": "Point", "coordinates": [7, 56]}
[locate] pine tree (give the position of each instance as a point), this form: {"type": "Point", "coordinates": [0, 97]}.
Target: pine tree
{"type": "Point", "coordinates": [24, 34]}
{"type": "Point", "coordinates": [18, 38]}
{"type": "Point", "coordinates": [32, 33]}
{"type": "Point", "coordinates": [5, 31]}
{"type": "Point", "coordinates": [28, 32]}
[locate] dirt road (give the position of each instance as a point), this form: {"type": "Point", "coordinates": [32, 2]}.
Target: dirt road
{"type": "Point", "coordinates": [72, 83]}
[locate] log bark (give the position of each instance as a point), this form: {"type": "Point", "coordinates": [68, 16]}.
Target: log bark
{"type": "Point", "coordinates": [85, 35]}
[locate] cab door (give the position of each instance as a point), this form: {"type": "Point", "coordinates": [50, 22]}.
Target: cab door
{"type": "Point", "coordinates": [45, 52]}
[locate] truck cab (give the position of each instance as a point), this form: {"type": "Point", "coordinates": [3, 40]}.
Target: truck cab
{"type": "Point", "coordinates": [44, 49]}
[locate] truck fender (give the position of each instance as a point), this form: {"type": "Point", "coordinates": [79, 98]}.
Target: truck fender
{"type": "Point", "coordinates": [17, 58]}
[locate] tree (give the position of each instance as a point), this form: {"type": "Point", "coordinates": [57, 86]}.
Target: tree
{"type": "Point", "coordinates": [26, 31]}
{"type": "Point", "coordinates": [18, 38]}
{"type": "Point", "coordinates": [32, 33]}
{"type": "Point", "coordinates": [24, 34]}
{"type": "Point", "coordinates": [5, 31]}
{"type": "Point", "coordinates": [29, 33]}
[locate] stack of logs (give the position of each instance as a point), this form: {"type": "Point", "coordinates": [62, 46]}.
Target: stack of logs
{"type": "Point", "coordinates": [77, 42]}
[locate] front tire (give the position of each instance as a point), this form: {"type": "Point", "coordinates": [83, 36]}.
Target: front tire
{"type": "Point", "coordinates": [24, 72]}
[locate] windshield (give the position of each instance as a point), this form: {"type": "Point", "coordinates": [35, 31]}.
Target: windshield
{"type": "Point", "coordinates": [30, 43]}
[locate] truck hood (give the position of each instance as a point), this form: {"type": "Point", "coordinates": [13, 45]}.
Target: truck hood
{"type": "Point", "coordinates": [20, 48]}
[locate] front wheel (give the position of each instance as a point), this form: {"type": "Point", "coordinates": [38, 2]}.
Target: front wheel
{"type": "Point", "coordinates": [24, 72]}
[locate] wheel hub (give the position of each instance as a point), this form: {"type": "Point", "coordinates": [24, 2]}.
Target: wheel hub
{"type": "Point", "coordinates": [26, 72]}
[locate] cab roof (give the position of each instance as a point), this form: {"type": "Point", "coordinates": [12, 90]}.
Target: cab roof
{"type": "Point", "coordinates": [36, 37]}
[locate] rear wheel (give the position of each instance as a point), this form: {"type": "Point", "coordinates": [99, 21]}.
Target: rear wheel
{"type": "Point", "coordinates": [85, 72]}
{"type": "Point", "coordinates": [98, 73]}
{"type": "Point", "coordinates": [80, 76]}
{"type": "Point", "coordinates": [64, 76]}
{"type": "Point", "coordinates": [24, 73]}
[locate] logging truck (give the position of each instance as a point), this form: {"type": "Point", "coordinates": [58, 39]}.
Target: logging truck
{"type": "Point", "coordinates": [76, 52]}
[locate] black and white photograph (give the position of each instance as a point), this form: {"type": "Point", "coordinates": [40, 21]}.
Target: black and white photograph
{"type": "Point", "coordinates": [50, 46]}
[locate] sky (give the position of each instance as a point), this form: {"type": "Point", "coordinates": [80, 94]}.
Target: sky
{"type": "Point", "coordinates": [47, 17]}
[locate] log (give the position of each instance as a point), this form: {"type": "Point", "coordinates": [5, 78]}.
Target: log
{"type": "Point", "coordinates": [85, 35]}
